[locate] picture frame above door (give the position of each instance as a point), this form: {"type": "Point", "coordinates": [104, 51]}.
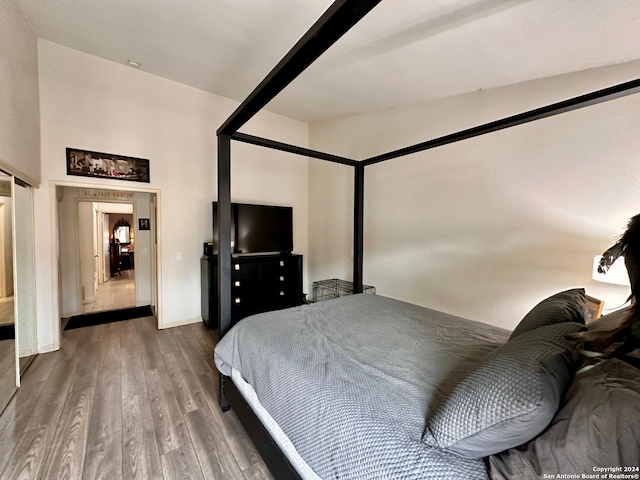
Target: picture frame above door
{"type": "Point", "coordinates": [86, 163]}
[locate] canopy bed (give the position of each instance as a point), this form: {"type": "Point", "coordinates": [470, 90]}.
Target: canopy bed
{"type": "Point", "coordinates": [252, 362]}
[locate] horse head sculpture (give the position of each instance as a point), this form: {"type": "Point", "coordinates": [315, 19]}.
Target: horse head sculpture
{"type": "Point", "coordinates": [625, 336]}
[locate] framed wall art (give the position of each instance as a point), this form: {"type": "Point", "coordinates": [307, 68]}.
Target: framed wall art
{"type": "Point", "coordinates": [85, 163]}
{"type": "Point", "coordinates": [594, 307]}
{"type": "Point", "coordinates": [143, 224]}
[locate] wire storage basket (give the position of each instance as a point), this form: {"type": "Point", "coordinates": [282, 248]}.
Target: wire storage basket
{"type": "Point", "coordinates": [334, 288]}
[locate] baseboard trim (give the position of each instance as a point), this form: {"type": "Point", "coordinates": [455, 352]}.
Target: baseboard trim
{"type": "Point", "coordinates": [26, 352]}
{"type": "Point", "coordinates": [180, 323]}
{"type": "Point", "coordinates": [47, 348]}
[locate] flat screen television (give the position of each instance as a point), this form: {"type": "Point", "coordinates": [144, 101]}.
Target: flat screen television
{"type": "Point", "coordinates": [258, 228]}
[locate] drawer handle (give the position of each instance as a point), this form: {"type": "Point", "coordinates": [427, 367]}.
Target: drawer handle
{"type": "Point", "coordinates": [282, 263]}
{"type": "Point", "coordinates": [282, 293]}
{"type": "Point", "coordinates": [237, 266]}
{"type": "Point", "coordinates": [237, 284]}
{"type": "Point", "coordinates": [238, 300]}
{"type": "Point", "coordinates": [282, 278]}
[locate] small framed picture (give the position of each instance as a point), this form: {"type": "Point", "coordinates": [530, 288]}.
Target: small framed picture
{"type": "Point", "coordinates": [594, 308]}
{"type": "Point", "coordinates": [143, 224]}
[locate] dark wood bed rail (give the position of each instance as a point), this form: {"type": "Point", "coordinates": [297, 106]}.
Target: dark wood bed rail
{"type": "Point", "coordinates": [276, 461]}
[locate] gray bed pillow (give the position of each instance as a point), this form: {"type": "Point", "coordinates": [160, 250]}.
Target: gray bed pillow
{"type": "Point", "coordinates": [598, 425]}
{"type": "Point", "coordinates": [510, 397]}
{"type": "Point", "coordinates": [567, 306]}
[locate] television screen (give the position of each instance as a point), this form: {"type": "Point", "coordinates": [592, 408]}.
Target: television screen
{"type": "Point", "coordinates": [259, 228]}
{"type": "Point", "coordinates": [262, 228]}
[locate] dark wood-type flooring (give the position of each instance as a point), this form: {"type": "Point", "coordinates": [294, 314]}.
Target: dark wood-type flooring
{"type": "Point", "coordinates": [124, 400]}
{"type": "Point", "coordinates": [7, 371]}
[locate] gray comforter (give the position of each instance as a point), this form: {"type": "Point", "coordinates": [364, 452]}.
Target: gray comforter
{"type": "Point", "coordinates": [352, 381]}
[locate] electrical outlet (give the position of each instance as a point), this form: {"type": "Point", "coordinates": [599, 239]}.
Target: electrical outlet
{"type": "Point", "coordinates": [179, 256]}
{"type": "Point", "coordinates": [144, 251]}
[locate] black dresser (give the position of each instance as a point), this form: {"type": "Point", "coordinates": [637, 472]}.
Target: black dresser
{"type": "Point", "coordinates": [259, 283]}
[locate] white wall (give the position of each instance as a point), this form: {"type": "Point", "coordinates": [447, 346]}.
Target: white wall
{"type": "Point", "coordinates": [19, 108]}
{"type": "Point", "coordinates": [487, 227]}
{"type": "Point", "coordinates": [330, 216]}
{"type": "Point", "coordinates": [114, 207]}
{"type": "Point", "coordinates": [94, 104]}
{"type": "Point", "coordinates": [105, 253]}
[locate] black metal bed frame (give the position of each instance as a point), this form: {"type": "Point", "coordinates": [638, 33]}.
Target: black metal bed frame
{"type": "Point", "coordinates": [331, 26]}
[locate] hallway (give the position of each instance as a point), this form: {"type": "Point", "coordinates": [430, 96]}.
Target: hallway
{"type": "Point", "coordinates": [119, 292]}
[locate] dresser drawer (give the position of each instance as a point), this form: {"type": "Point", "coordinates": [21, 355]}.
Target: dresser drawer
{"type": "Point", "coordinates": [245, 285]}
{"type": "Point", "coordinates": [246, 301]}
{"type": "Point", "coordinates": [279, 280]}
{"type": "Point", "coordinates": [241, 271]}
{"type": "Point", "coordinates": [261, 284]}
{"type": "Point", "coordinates": [287, 294]}
{"type": "Point", "coordinates": [274, 269]}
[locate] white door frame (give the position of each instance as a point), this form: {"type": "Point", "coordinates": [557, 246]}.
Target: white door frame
{"type": "Point", "coordinates": [99, 237]}
{"type": "Point", "coordinates": [96, 249]}
{"type": "Point", "coordinates": [55, 244]}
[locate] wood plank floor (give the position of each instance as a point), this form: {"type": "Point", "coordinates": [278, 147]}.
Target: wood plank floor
{"type": "Point", "coordinates": [125, 401]}
{"type": "Point", "coordinates": [7, 371]}
{"type": "Point", "coordinates": [118, 292]}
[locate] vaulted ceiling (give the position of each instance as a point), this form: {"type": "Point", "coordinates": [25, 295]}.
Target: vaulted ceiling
{"type": "Point", "coordinates": [401, 53]}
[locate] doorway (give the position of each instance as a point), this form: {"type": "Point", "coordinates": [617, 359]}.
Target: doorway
{"type": "Point", "coordinates": [106, 261]}
{"type": "Point", "coordinates": [107, 256]}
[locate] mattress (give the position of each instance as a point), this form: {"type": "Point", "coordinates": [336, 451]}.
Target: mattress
{"type": "Point", "coordinates": [281, 439]}
{"type": "Point", "coordinates": [352, 381]}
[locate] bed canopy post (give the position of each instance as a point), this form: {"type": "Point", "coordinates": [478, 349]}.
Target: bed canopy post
{"type": "Point", "coordinates": [358, 227]}
{"type": "Point", "coordinates": [333, 24]}
{"type": "Point", "coordinates": [336, 21]}
{"type": "Point", "coordinates": [223, 221]}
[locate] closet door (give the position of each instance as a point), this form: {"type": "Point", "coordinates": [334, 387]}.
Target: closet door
{"type": "Point", "coordinates": [24, 273]}
{"type": "Point", "coordinates": [8, 351]}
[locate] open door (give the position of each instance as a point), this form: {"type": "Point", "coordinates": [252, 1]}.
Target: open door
{"type": "Point", "coordinates": [87, 251]}
{"type": "Point", "coordinates": [25, 275]}
{"type": "Point", "coordinates": [9, 373]}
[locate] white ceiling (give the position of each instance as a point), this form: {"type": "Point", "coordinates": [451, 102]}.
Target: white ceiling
{"type": "Point", "coordinates": [401, 53]}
